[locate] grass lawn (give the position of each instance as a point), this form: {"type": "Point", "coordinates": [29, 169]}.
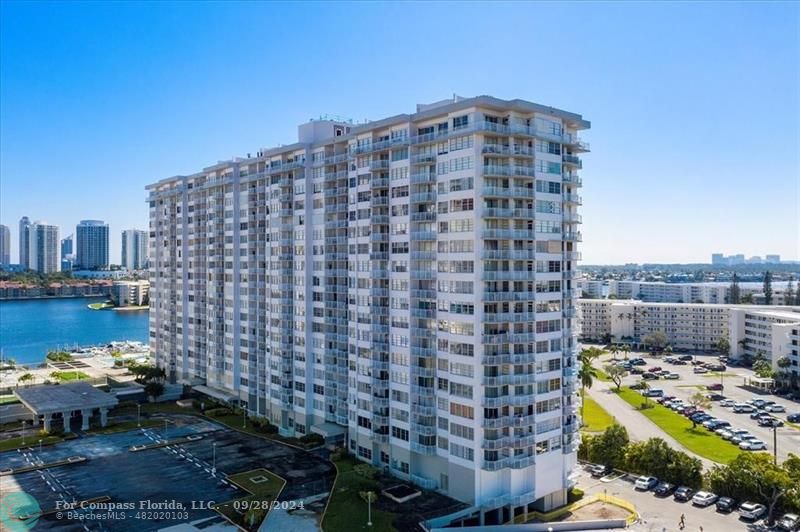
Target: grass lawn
{"type": "Point", "coordinates": [125, 426]}
{"type": "Point", "coordinates": [264, 488]}
{"type": "Point", "coordinates": [66, 376]}
{"type": "Point", "coordinates": [595, 418]}
{"type": "Point", "coordinates": [346, 509]}
{"type": "Point", "coordinates": [101, 306]}
{"type": "Point", "coordinates": [602, 375]}
{"type": "Point", "coordinates": [699, 441]}
{"type": "Point", "coordinates": [8, 399]}
{"type": "Point", "coordinates": [32, 440]}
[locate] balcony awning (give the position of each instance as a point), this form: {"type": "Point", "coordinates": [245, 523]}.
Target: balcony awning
{"type": "Point", "coordinates": [216, 394]}
{"type": "Point", "coordinates": [328, 430]}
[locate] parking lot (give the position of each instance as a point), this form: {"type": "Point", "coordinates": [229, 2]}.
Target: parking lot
{"type": "Point", "coordinates": [183, 473]}
{"type": "Point", "coordinates": [663, 514]}
{"type": "Point", "coordinates": [689, 383]}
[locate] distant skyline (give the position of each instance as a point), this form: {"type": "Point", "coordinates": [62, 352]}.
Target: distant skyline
{"type": "Point", "coordinates": [694, 106]}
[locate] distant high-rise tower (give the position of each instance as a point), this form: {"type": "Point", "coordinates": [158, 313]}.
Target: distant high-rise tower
{"type": "Point", "coordinates": [43, 245]}
{"type": "Point", "coordinates": [66, 246]}
{"type": "Point", "coordinates": [91, 244]}
{"type": "Point", "coordinates": [134, 249]}
{"type": "Point", "coordinates": [718, 259]}
{"type": "Point", "coordinates": [5, 245]}
{"type": "Point", "coordinates": [24, 242]}
{"type": "Point", "coordinates": [773, 259]}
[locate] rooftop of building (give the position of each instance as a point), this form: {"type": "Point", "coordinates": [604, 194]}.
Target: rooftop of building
{"type": "Point", "coordinates": [62, 397]}
{"type": "Point", "coordinates": [423, 112]}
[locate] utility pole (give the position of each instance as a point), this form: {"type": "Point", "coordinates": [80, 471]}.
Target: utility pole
{"type": "Point", "coordinates": [214, 458]}
{"type": "Point", "coordinates": [775, 444]}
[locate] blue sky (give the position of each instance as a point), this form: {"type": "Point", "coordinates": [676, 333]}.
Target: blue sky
{"type": "Point", "coordinates": [694, 106]}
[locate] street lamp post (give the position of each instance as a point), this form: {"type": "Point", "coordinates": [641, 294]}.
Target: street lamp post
{"type": "Point", "coordinates": [138, 415]}
{"type": "Point", "coordinates": [23, 432]}
{"type": "Point", "coordinates": [775, 444]}
{"type": "Point", "coordinates": [165, 430]}
{"type": "Point", "coordinates": [244, 418]}
{"type": "Point", "coordinates": [214, 458]}
{"type": "Point", "coordinates": [40, 448]}
{"type": "Point", "coordinates": [369, 508]}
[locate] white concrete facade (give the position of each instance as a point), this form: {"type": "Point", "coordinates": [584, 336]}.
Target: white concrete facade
{"type": "Point", "coordinates": [750, 329]}
{"type": "Point", "coordinates": [134, 249]}
{"type": "Point", "coordinates": [410, 280]}
{"type": "Point", "coordinates": [43, 247]}
{"type": "Point", "coordinates": [130, 293]}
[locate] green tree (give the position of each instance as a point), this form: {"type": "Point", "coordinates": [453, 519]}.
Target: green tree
{"type": "Point", "coordinates": [762, 368]}
{"type": "Point", "coordinates": [153, 389]}
{"type": "Point", "coordinates": [767, 288]}
{"type": "Point", "coordinates": [735, 292]}
{"type": "Point", "coordinates": [626, 349]}
{"type": "Point", "coordinates": [699, 401]}
{"type": "Point", "coordinates": [657, 340]}
{"type": "Point", "coordinates": [25, 378]}
{"type": "Point", "coordinates": [614, 350]}
{"type": "Point", "coordinates": [588, 372]}
{"type": "Point", "coordinates": [615, 373]}
{"type": "Point", "coordinates": [723, 346]}
{"type": "Point", "coordinates": [754, 476]}
{"type": "Point", "coordinates": [609, 447]}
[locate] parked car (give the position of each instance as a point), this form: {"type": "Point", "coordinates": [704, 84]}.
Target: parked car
{"type": "Point", "coordinates": [788, 523]}
{"type": "Point", "coordinates": [715, 396]}
{"type": "Point", "coordinates": [775, 408]}
{"type": "Point", "coordinates": [653, 393]}
{"type": "Point", "coordinates": [743, 408]}
{"type": "Point", "coordinates": [638, 362]}
{"type": "Point", "coordinates": [752, 511]}
{"type": "Point", "coordinates": [663, 399]}
{"type": "Point", "coordinates": [686, 358]}
{"type": "Point", "coordinates": [598, 470]}
{"type": "Point", "coordinates": [720, 424]}
{"type": "Point", "coordinates": [649, 376]}
{"type": "Point", "coordinates": [758, 414]}
{"type": "Point", "coordinates": [672, 376]}
{"type": "Point", "coordinates": [654, 369]}
{"type": "Point", "coordinates": [752, 445]}
{"type": "Point", "coordinates": [680, 362]}
{"type": "Point", "coordinates": [715, 367]}
{"type": "Point", "coordinates": [664, 489]}
{"type": "Point", "coordinates": [770, 422]}
{"type": "Point", "coordinates": [716, 387]}
{"type": "Point", "coordinates": [711, 423]}
{"type": "Point", "coordinates": [793, 418]}
{"type": "Point", "coordinates": [637, 371]}
{"type": "Point", "coordinates": [645, 483]}
{"type": "Point", "coordinates": [725, 504]}
{"type": "Point", "coordinates": [699, 369]}
{"type": "Point", "coordinates": [683, 494]}
{"type": "Point", "coordinates": [739, 438]}
{"type": "Point", "coordinates": [704, 498]}
{"type": "Point", "coordinates": [727, 403]}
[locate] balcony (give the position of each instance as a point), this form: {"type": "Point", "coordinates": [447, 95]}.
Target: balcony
{"type": "Point", "coordinates": [423, 178]}
{"type": "Point", "coordinates": [573, 179]}
{"type": "Point", "coordinates": [572, 217]}
{"type": "Point", "coordinates": [382, 164]}
{"type": "Point", "coordinates": [573, 199]}
{"type": "Point", "coordinates": [572, 237]}
{"type": "Point", "coordinates": [509, 296]}
{"type": "Point", "coordinates": [498, 212]}
{"type": "Point", "coordinates": [423, 197]}
{"type": "Point", "coordinates": [572, 160]}
{"type": "Point", "coordinates": [508, 192]}
{"type": "Point", "coordinates": [509, 254]}
{"type": "Point", "coordinates": [509, 234]}
{"type": "Point", "coordinates": [422, 235]}
{"type": "Point", "coordinates": [423, 158]}
{"type": "Point", "coordinates": [423, 216]}
{"type": "Point", "coordinates": [509, 151]}
{"type": "Point", "coordinates": [509, 276]}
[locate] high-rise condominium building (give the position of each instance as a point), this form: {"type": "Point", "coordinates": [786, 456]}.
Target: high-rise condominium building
{"type": "Point", "coordinates": [134, 249]}
{"type": "Point", "coordinates": [5, 245]}
{"type": "Point", "coordinates": [43, 246]}
{"type": "Point", "coordinates": [24, 242]}
{"type": "Point", "coordinates": [66, 246]}
{"type": "Point", "coordinates": [406, 284]}
{"type": "Point", "coordinates": [91, 243]}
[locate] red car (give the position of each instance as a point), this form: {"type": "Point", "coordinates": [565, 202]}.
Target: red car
{"type": "Point", "coordinates": [654, 369]}
{"type": "Point", "coordinates": [715, 387]}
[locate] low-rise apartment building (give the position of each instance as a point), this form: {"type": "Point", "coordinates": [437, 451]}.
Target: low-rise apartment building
{"type": "Point", "coordinates": [130, 293]}
{"type": "Point", "coordinates": [750, 329]}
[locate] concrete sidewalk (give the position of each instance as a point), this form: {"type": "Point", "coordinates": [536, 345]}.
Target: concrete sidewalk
{"type": "Point", "coordinates": [638, 426]}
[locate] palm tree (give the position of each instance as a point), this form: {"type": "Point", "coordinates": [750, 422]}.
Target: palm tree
{"type": "Point", "coordinates": [668, 350]}
{"type": "Point", "coordinates": [643, 387]}
{"type": "Point", "coordinates": [614, 350]}
{"type": "Point", "coordinates": [588, 372]}
{"type": "Point", "coordinates": [626, 349]}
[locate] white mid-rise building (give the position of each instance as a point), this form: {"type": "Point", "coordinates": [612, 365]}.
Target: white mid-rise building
{"type": "Point", "coordinates": [43, 245]}
{"type": "Point", "coordinates": [407, 283]}
{"type": "Point", "coordinates": [750, 329]}
{"type": "Point", "coordinates": [134, 249]}
{"type": "Point", "coordinates": [130, 293]}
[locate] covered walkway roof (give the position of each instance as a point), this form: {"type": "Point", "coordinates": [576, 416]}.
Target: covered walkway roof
{"type": "Point", "coordinates": [49, 398]}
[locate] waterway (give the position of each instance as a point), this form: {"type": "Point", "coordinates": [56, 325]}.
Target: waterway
{"type": "Point", "coordinates": [32, 327]}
